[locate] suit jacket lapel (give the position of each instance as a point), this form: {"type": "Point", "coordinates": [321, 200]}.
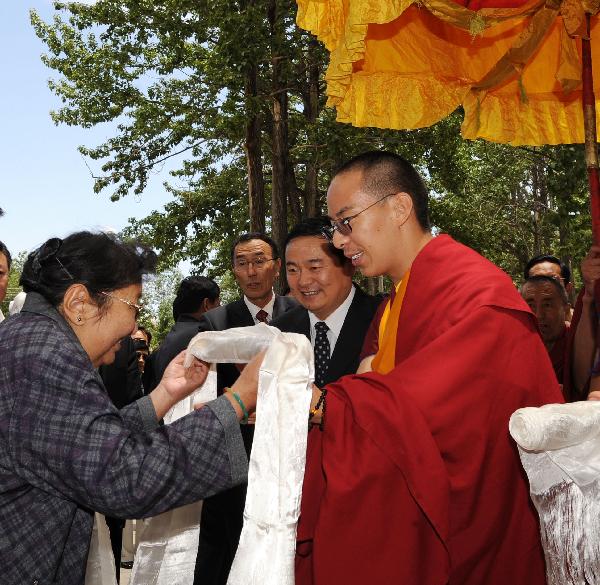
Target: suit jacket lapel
{"type": "Point", "coordinates": [348, 344]}
{"type": "Point", "coordinates": [238, 315]}
{"type": "Point", "coordinates": [278, 306]}
{"type": "Point", "coordinates": [304, 324]}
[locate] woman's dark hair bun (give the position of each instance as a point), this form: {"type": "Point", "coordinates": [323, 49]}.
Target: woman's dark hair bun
{"type": "Point", "coordinates": [102, 262]}
{"type": "Point", "coordinates": [38, 257]}
{"type": "Point", "coordinates": [50, 248]}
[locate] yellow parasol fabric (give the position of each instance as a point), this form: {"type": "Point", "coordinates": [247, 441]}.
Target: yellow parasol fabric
{"type": "Point", "coordinates": [516, 69]}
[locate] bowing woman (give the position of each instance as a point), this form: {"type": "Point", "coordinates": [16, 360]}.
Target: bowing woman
{"type": "Point", "coordinates": [65, 450]}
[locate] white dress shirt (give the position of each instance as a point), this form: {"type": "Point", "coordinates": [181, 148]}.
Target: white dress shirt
{"type": "Point", "coordinates": [335, 321]}
{"type": "Point", "coordinates": [255, 309]}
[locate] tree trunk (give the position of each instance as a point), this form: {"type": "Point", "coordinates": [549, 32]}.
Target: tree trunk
{"type": "Point", "coordinates": [372, 285]}
{"type": "Point", "coordinates": [294, 193]}
{"type": "Point", "coordinates": [280, 155]}
{"type": "Point", "coordinates": [252, 147]}
{"type": "Point", "coordinates": [278, 163]}
{"type": "Point", "coordinates": [536, 216]}
{"type": "Point", "coordinates": [311, 112]}
{"type": "Point", "coordinates": [311, 190]}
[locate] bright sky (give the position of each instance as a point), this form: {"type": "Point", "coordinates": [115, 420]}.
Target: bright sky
{"type": "Point", "coordinates": [46, 189]}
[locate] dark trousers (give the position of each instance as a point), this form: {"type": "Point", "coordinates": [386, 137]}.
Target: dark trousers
{"type": "Point", "coordinates": [115, 528]}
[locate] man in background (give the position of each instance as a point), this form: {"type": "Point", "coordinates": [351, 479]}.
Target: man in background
{"type": "Point", "coordinates": [582, 342]}
{"type": "Point", "coordinates": [195, 296]}
{"type": "Point", "coordinates": [548, 265]}
{"type": "Point", "coordinates": [547, 298]}
{"type": "Point", "coordinates": [142, 338]}
{"type": "Point", "coordinates": [123, 382]}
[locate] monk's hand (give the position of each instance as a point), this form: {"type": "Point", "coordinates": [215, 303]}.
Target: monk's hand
{"type": "Point", "coordinates": [594, 395]}
{"type": "Point", "coordinates": [590, 271]}
{"type": "Point", "coordinates": [365, 365]}
{"type": "Point", "coordinates": [246, 386]}
{"type": "Point", "coordinates": [316, 414]}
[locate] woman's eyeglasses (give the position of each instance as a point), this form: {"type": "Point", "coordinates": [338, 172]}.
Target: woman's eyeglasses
{"type": "Point", "coordinates": [136, 308]}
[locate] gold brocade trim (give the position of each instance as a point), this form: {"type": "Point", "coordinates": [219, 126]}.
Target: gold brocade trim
{"type": "Point", "coordinates": [568, 73]}
{"type": "Point", "coordinates": [514, 60]}
{"type": "Point", "coordinates": [591, 6]}
{"type": "Point", "coordinates": [573, 16]}
{"type": "Point", "coordinates": [463, 18]}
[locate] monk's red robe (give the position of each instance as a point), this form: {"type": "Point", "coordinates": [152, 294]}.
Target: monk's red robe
{"type": "Point", "coordinates": [415, 480]}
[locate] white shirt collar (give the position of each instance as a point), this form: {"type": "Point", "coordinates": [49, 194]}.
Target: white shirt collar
{"type": "Point", "coordinates": [255, 308]}
{"type": "Point", "coordinates": [335, 321]}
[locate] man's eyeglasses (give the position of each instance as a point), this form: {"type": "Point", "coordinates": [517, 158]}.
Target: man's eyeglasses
{"type": "Point", "coordinates": [136, 308]}
{"type": "Point", "coordinates": [343, 225]}
{"type": "Point", "coordinates": [258, 263]}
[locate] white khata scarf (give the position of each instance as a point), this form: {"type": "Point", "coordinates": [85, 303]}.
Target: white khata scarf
{"type": "Point", "coordinates": [559, 445]}
{"type": "Point", "coordinates": [167, 551]}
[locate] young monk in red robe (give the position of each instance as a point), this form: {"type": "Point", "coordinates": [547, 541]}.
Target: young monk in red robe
{"type": "Point", "coordinates": [414, 479]}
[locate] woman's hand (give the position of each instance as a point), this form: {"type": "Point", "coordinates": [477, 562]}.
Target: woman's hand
{"type": "Point", "coordinates": [246, 386]}
{"type": "Point", "coordinates": [177, 383]}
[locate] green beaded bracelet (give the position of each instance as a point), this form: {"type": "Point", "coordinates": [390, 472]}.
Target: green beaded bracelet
{"type": "Point", "coordinates": [242, 406]}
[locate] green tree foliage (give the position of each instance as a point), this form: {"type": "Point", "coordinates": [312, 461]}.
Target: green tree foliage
{"type": "Point", "coordinates": [233, 92]}
{"type": "Point", "coordinates": [13, 288]}
{"type": "Point", "coordinates": [510, 203]}
{"type": "Point", "coordinates": [224, 84]}
{"type": "Point", "coordinates": [157, 303]}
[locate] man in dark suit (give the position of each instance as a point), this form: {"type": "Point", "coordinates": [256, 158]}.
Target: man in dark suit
{"type": "Point", "coordinates": [256, 265]}
{"type": "Point", "coordinates": [334, 313]}
{"type": "Point", "coordinates": [195, 296]}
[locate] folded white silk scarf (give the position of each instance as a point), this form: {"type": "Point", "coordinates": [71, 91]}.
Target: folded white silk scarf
{"type": "Point", "coordinates": [267, 547]}
{"type": "Point", "coordinates": [559, 445]}
{"type": "Point", "coordinates": [100, 569]}
{"type": "Point", "coordinates": [167, 551]}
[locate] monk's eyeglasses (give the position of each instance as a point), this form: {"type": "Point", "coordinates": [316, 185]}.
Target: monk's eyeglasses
{"type": "Point", "coordinates": [343, 226]}
{"type": "Point", "coordinates": [136, 308]}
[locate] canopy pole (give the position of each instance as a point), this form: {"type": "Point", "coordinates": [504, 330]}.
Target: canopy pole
{"type": "Point", "coordinates": [589, 124]}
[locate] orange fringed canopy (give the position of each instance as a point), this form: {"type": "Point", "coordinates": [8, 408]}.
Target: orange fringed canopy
{"type": "Point", "coordinates": [515, 66]}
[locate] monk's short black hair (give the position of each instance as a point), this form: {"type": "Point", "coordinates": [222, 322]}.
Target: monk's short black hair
{"type": "Point", "coordinates": [387, 172]}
